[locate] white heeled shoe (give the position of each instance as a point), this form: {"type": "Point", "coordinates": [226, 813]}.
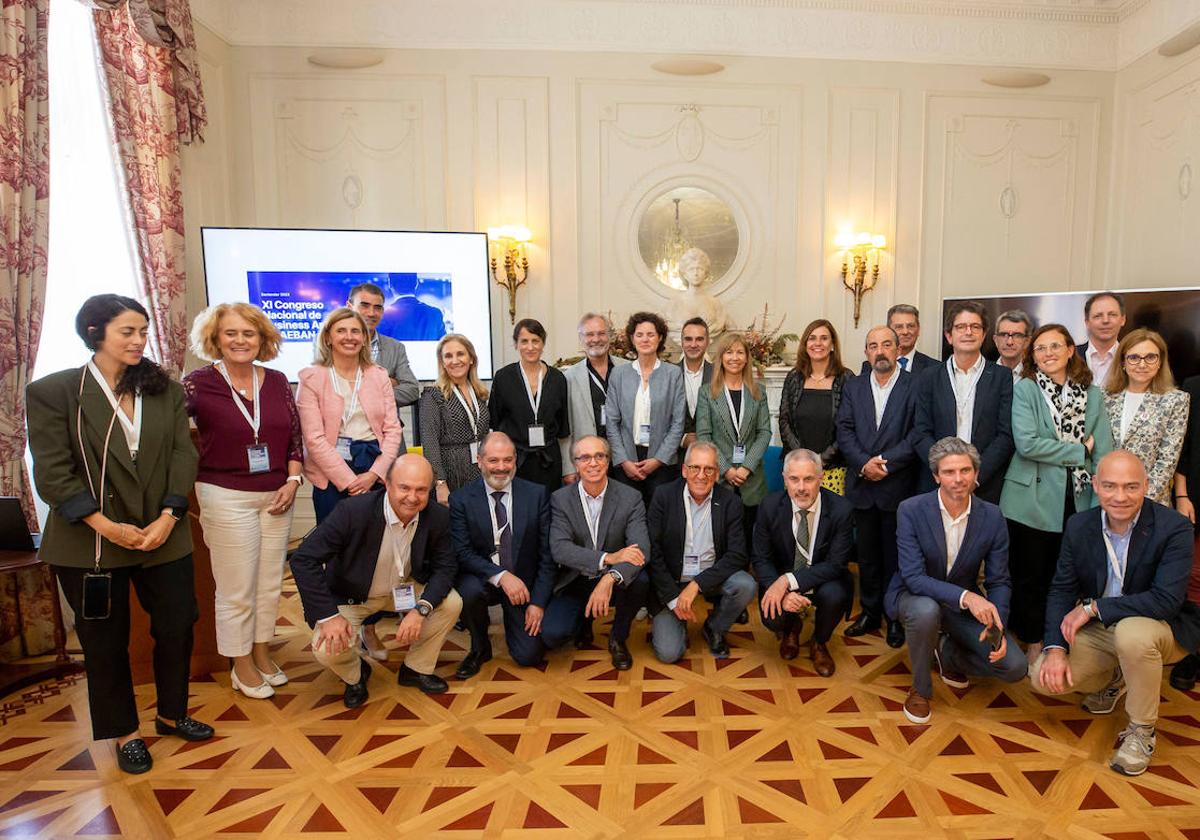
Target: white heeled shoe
{"type": "Point", "coordinates": [256, 692]}
{"type": "Point", "coordinates": [379, 655]}
{"type": "Point", "coordinates": [277, 678]}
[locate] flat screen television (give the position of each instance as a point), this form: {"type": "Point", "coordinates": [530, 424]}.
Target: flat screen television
{"type": "Point", "coordinates": [433, 282]}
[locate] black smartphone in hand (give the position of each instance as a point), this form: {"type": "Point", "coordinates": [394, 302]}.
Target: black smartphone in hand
{"type": "Point", "coordinates": [994, 637]}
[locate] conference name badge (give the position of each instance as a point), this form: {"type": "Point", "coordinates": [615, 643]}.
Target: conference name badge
{"type": "Point", "coordinates": [739, 453]}
{"type": "Point", "coordinates": [404, 597]}
{"type": "Point", "coordinates": [691, 565]}
{"type": "Point", "coordinates": [643, 434]}
{"type": "Point", "coordinates": [537, 436]}
{"type": "Point", "coordinates": [258, 459]}
{"type": "Point", "coordinates": [343, 448]}
{"type": "Point", "coordinates": [473, 448]}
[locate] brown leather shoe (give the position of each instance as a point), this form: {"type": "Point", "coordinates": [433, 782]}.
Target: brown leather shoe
{"type": "Point", "coordinates": [789, 647]}
{"type": "Point", "coordinates": [823, 663]}
{"type": "Point", "coordinates": [916, 707]}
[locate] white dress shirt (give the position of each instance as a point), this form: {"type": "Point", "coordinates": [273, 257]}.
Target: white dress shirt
{"type": "Point", "coordinates": [396, 546]}
{"type": "Point", "coordinates": [814, 521]}
{"type": "Point", "coordinates": [507, 501]}
{"type": "Point", "coordinates": [641, 402]}
{"type": "Point", "coordinates": [691, 385]}
{"type": "Point", "coordinates": [882, 392]}
{"type": "Point", "coordinates": [1100, 363]}
{"type": "Point", "coordinates": [963, 383]}
{"type": "Point", "coordinates": [955, 528]}
{"type": "Point", "coordinates": [593, 506]}
{"type": "Point", "coordinates": [1016, 372]}
{"type": "Point", "coordinates": [698, 539]}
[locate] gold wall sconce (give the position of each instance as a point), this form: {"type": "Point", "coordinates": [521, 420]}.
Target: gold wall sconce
{"type": "Point", "coordinates": [511, 240]}
{"type": "Point", "coordinates": [865, 248]}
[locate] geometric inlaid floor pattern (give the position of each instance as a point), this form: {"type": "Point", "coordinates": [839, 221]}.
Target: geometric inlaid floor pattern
{"type": "Point", "coordinates": [747, 747]}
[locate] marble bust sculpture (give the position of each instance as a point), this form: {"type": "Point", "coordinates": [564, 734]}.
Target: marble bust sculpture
{"type": "Point", "coordinates": [694, 268]}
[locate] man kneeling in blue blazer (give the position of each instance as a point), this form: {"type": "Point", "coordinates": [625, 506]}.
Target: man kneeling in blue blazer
{"type": "Point", "coordinates": [943, 537]}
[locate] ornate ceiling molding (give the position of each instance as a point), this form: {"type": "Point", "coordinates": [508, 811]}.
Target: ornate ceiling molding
{"type": "Point", "coordinates": [1068, 34]}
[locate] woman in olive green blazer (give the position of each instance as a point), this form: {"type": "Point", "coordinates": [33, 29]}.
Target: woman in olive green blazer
{"type": "Point", "coordinates": [139, 530]}
{"type": "Point", "coordinates": [740, 446]}
{"type": "Point", "coordinates": [1048, 478]}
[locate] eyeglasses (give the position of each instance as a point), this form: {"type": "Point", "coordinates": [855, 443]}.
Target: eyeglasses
{"type": "Point", "coordinates": [1134, 360]}
{"type": "Point", "coordinates": [591, 457]}
{"type": "Point", "coordinates": [1011, 336]}
{"type": "Point", "coordinates": [696, 469]}
{"type": "Point", "coordinates": [1048, 348]}
{"type": "Point", "coordinates": [962, 328]}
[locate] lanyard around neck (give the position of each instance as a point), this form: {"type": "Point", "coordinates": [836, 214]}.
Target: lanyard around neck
{"type": "Point", "coordinates": [535, 402]}
{"type": "Point", "coordinates": [471, 409]}
{"type": "Point", "coordinates": [254, 420]}
{"type": "Point", "coordinates": [347, 413]}
{"type": "Point", "coordinates": [131, 428]}
{"type": "Point", "coordinates": [734, 413]}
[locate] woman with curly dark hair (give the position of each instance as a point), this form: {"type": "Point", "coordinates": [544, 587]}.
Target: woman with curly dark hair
{"type": "Point", "coordinates": [113, 458]}
{"type": "Point", "coordinates": [647, 408]}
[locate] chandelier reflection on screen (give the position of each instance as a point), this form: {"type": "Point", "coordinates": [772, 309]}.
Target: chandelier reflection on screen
{"type": "Point", "coordinates": [511, 239]}
{"type": "Point", "coordinates": [865, 249]}
{"type": "Point", "coordinates": [673, 246]}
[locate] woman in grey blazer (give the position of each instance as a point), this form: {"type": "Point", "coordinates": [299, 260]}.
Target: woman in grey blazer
{"type": "Point", "coordinates": [1148, 414]}
{"type": "Point", "coordinates": [732, 413]}
{"type": "Point", "coordinates": [646, 409]}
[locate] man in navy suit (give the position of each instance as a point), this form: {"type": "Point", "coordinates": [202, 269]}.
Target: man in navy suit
{"type": "Point", "coordinates": [803, 540]}
{"type": "Point", "coordinates": [969, 398]}
{"type": "Point", "coordinates": [696, 548]}
{"type": "Point", "coordinates": [500, 525]}
{"type": "Point", "coordinates": [874, 426]}
{"type": "Point", "coordinates": [944, 537]}
{"type": "Point", "coordinates": [1117, 611]}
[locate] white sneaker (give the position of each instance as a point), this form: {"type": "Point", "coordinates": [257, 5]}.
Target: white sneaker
{"type": "Point", "coordinates": [1135, 750]}
{"type": "Point", "coordinates": [256, 692]}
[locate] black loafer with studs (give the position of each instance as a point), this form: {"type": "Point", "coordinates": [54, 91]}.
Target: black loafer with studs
{"type": "Point", "coordinates": [185, 728]}
{"type": "Point", "coordinates": [134, 757]}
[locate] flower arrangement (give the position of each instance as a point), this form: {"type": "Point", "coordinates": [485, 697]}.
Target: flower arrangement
{"type": "Point", "coordinates": [765, 343]}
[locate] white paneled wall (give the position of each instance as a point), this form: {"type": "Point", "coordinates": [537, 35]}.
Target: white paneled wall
{"type": "Point", "coordinates": [976, 190]}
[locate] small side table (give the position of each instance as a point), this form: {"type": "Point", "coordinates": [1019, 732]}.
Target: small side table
{"type": "Point", "coordinates": [13, 677]}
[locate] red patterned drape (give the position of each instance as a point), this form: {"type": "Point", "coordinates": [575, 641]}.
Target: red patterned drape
{"type": "Point", "coordinates": [157, 102]}
{"type": "Point", "coordinates": [24, 231]}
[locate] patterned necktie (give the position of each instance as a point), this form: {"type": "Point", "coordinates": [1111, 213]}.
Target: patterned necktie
{"type": "Point", "coordinates": [505, 532]}
{"type": "Point", "coordinates": [802, 540]}
{"type": "Point", "coordinates": [903, 362]}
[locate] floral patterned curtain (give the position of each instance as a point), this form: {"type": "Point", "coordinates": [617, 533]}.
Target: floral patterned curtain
{"type": "Point", "coordinates": [148, 51]}
{"type": "Point", "coordinates": [24, 232]}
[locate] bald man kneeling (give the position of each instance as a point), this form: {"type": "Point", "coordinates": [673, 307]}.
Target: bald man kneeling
{"type": "Point", "coordinates": [382, 550]}
{"type": "Point", "coordinates": [1116, 612]}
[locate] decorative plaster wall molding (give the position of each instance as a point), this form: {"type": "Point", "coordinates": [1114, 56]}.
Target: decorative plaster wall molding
{"type": "Point", "coordinates": [1076, 34]}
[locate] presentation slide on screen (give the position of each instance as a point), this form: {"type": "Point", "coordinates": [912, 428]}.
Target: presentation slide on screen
{"type": "Point", "coordinates": [433, 284]}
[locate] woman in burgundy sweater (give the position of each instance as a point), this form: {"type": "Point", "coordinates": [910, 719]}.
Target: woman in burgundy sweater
{"type": "Point", "coordinates": [251, 454]}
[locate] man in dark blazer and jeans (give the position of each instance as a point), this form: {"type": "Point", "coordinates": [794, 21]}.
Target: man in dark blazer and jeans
{"type": "Point", "coordinates": [874, 427]}
{"type": "Point", "coordinates": [1117, 611]}
{"type": "Point", "coordinates": [599, 542]}
{"type": "Point", "coordinates": [803, 539]}
{"type": "Point", "coordinates": [696, 548]}
{"type": "Point", "coordinates": [388, 549]}
{"type": "Point", "coordinates": [500, 525]}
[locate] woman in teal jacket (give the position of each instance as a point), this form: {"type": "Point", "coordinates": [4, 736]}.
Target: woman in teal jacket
{"type": "Point", "coordinates": [1060, 430]}
{"type": "Point", "coordinates": [732, 414]}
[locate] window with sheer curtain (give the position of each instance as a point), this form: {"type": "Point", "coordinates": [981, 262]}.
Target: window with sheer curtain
{"type": "Point", "coordinates": [90, 246]}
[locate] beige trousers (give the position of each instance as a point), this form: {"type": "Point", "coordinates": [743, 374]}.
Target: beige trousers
{"type": "Point", "coordinates": [248, 548]}
{"type": "Point", "coordinates": [1141, 646]}
{"type": "Point", "coordinates": [421, 657]}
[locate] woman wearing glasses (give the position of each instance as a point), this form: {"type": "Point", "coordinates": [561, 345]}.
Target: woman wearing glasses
{"type": "Point", "coordinates": [1148, 414]}
{"type": "Point", "coordinates": [1060, 430]}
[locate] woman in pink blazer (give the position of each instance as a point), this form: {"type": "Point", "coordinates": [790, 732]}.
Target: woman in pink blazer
{"type": "Point", "coordinates": [347, 414]}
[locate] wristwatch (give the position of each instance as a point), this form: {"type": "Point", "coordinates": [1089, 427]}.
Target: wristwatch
{"type": "Point", "coordinates": [1089, 606]}
{"type": "Point", "coordinates": [424, 608]}
{"type": "Point", "coordinates": [615, 575]}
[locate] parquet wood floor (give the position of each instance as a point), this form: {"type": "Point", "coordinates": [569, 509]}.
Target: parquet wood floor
{"type": "Point", "coordinates": [744, 748]}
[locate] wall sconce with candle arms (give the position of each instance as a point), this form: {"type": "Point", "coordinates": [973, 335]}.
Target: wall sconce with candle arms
{"type": "Point", "coordinates": [511, 239]}
{"type": "Point", "coordinates": [865, 248]}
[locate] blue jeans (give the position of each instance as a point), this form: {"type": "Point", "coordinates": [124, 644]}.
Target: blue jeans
{"type": "Point", "coordinates": [362, 456]}
{"type": "Point", "coordinates": [962, 652]}
{"type": "Point", "coordinates": [668, 635]}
